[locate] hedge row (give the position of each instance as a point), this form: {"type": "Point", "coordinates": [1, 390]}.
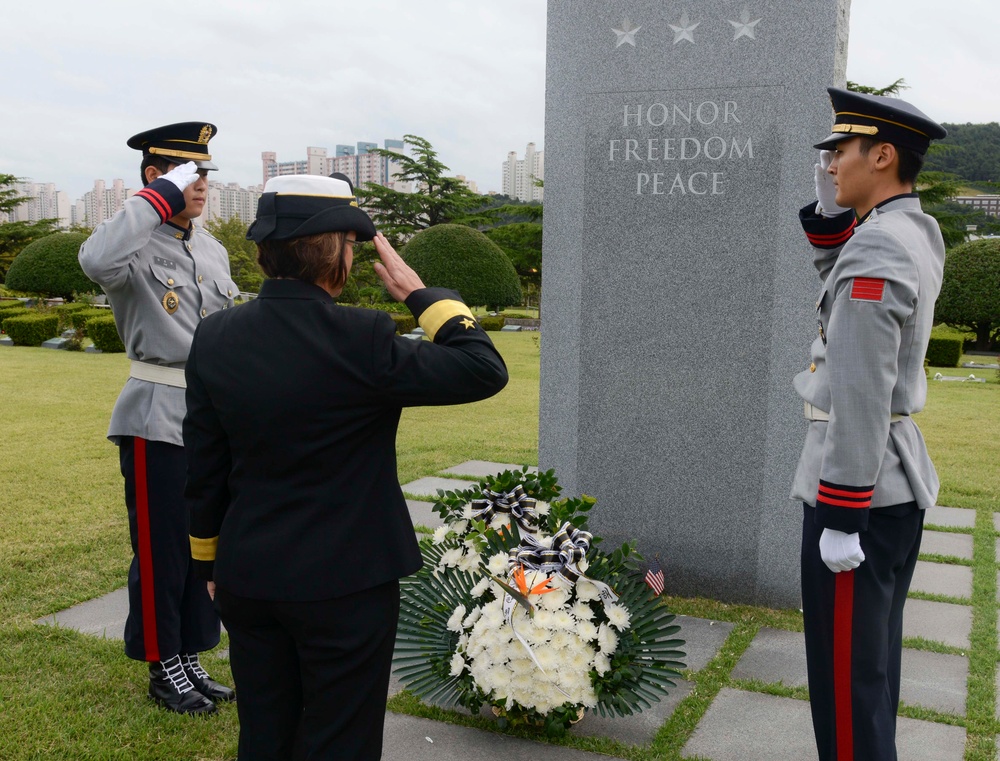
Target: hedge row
{"type": "Point", "coordinates": [8, 314]}
{"type": "Point", "coordinates": [492, 323]}
{"type": "Point", "coordinates": [405, 323]}
{"type": "Point", "coordinates": [104, 334]}
{"type": "Point", "coordinates": [31, 329]}
{"type": "Point", "coordinates": [81, 317]}
{"type": "Point", "coordinates": [944, 351]}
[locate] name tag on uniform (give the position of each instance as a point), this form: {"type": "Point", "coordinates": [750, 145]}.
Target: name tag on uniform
{"type": "Point", "coordinates": [165, 263]}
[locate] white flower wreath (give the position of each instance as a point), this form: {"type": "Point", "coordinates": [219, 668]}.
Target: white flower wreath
{"type": "Point", "coordinates": [515, 607]}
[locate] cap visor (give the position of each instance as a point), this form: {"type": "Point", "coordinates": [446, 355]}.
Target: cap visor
{"type": "Point", "coordinates": [831, 142]}
{"type": "Point", "coordinates": [206, 165]}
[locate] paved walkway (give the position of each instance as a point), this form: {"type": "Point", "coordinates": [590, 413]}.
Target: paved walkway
{"type": "Point", "coordinates": [740, 725]}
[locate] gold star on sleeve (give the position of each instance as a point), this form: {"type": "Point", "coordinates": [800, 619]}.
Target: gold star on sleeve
{"type": "Point", "coordinates": [468, 323]}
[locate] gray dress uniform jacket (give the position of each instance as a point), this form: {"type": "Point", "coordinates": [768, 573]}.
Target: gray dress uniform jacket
{"type": "Point", "coordinates": [880, 279]}
{"type": "Point", "coordinates": [161, 281]}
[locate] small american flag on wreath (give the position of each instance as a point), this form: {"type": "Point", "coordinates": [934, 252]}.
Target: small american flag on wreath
{"type": "Point", "coordinates": [654, 576]}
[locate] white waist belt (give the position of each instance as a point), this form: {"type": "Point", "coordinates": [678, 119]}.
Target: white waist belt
{"type": "Point", "coordinates": [815, 413]}
{"type": "Point", "coordinates": [167, 376]}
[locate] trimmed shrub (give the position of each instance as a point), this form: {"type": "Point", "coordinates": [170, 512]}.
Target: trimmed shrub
{"type": "Point", "coordinates": [65, 312]}
{"type": "Point", "coordinates": [404, 323]}
{"type": "Point", "coordinates": [49, 265]}
{"type": "Point", "coordinates": [79, 318]}
{"type": "Point", "coordinates": [464, 259]}
{"type": "Point", "coordinates": [104, 333]}
{"type": "Point", "coordinates": [12, 304]}
{"type": "Point", "coordinates": [944, 351]}
{"type": "Point", "coordinates": [970, 292]}
{"type": "Point", "coordinates": [392, 307]}
{"type": "Point", "coordinates": [491, 323]}
{"type": "Point", "coordinates": [31, 329]}
{"type": "Point", "coordinates": [8, 314]}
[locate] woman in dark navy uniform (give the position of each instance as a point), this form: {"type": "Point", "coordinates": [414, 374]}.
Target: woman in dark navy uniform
{"type": "Point", "coordinates": [297, 519]}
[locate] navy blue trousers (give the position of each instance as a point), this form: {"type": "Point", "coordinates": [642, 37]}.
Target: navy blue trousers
{"type": "Point", "coordinates": [854, 634]}
{"type": "Point", "coordinates": [312, 676]}
{"type": "Point", "coordinates": [169, 610]}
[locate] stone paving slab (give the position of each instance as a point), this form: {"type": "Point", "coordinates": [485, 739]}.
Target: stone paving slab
{"type": "Point", "coordinates": [942, 579]}
{"type": "Point", "coordinates": [422, 513]}
{"type": "Point", "coordinates": [408, 738]}
{"type": "Point", "coordinates": [931, 680]}
{"type": "Point", "coordinates": [952, 517]}
{"type": "Point", "coordinates": [746, 726]}
{"type": "Point", "coordinates": [429, 485]}
{"type": "Point", "coordinates": [939, 621]}
{"type": "Point", "coordinates": [638, 729]}
{"type": "Point", "coordinates": [102, 617]}
{"type": "Point", "coordinates": [482, 468]}
{"type": "Point", "coordinates": [703, 638]}
{"type": "Point", "coordinates": [944, 543]}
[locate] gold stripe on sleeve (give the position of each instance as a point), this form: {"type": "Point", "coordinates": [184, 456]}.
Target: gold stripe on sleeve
{"type": "Point", "coordinates": [438, 313]}
{"type": "Point", "coordinates": [203, 549]}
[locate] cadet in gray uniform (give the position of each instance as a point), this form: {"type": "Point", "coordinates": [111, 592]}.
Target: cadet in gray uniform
{"type": "Point", "coordinates": [162, 276]}
{"type": "Point", "coordinates": [864, 476]}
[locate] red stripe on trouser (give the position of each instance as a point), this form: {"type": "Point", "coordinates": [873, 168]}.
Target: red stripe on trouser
{"type": "Point", "coordinates": [150, 640]}
{"type": "Point", "coordinates": [843, 613]}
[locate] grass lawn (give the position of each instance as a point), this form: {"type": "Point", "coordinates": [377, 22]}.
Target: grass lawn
{"type": "Point", "coordinates": [63, 540]}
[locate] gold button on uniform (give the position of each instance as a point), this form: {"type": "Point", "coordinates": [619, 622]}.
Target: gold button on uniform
{"type": "Point", "coordinates": [812, 367]}
{"type": "Point", "coordinates": [170, 281]}
{"type": "Point", "coordinates": [204, 312]}
{"type": "Point", "coordinates": [230, 291]}
{"type": "Point", "coordinates": [200, 278]}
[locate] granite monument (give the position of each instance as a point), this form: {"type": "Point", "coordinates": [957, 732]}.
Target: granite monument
{"type": "Point", "coordinates": [677, 284]}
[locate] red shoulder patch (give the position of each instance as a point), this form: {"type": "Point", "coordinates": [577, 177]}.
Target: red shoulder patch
{"type": "Point", "coordinates": [867, 289]}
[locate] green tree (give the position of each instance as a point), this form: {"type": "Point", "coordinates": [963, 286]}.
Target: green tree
{"type": "Point", "coordinates": [14, 236]}
{"type": "Point", "coordinates": [437, 199]}
{"type": "Point", "coordinates": [522, 242]}
{"type": "Point", "coordinates": [458, 257]}
{"type": "Point", "coordinates": [890, 90]}
{"type": "Point", "coordinates": [232, 233]}
{"type": "Point", "coordinates": [970, 292]}
{"type": "Point", "coordinates": [9, 198]}
{"type": "Point", "coordinates": [970, 151]}
{"type": "Point", "coordinates": [50, 266]}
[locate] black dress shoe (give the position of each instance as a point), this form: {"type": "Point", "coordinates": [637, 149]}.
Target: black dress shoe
{"type": "Point", "coordinates": [217, 693]}
{"type": "Point", "coordinates": [170, 687]}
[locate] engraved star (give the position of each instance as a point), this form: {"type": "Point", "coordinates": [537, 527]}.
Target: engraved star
{"type": "Point", "coordinates": [626, 34]}
{"type": "Point", "coordinates": [744, 27]}
{"type": "Point", "coordinates": [468, 323]}
{"type": "Point", "coordinates": [683, 32]}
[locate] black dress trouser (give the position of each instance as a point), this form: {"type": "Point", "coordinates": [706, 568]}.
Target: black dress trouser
{"type": "Point", "coordinates": [169, 610]}
{"type": "Point", "coordinates": [854, 634]}
{"type": "Point", "coordinates": [312, 677]}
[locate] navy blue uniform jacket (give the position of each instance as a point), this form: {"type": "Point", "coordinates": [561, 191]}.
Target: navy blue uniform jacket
{"type": "Point", "coordinates": [292, 407]}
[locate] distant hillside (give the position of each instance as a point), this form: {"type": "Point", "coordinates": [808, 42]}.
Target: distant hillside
{"type": "Point", "coordinates": [971, 151]}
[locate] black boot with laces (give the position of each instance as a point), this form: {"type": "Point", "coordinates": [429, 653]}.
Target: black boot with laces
{"type": "Point", "coordinates": [217, 693]}
{"type": "Point", "coordinates": [170, 687]}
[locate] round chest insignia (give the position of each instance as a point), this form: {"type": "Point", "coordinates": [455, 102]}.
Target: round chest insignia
{"type": "Point", "coordinates": [170, 302]}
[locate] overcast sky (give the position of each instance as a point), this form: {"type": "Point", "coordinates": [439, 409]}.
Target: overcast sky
{"type": "Point", "coordinates": [468, 75]}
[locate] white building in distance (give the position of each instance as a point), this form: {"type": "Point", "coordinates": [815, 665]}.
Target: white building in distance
{"type": "Point", "coordinates": [43, 201]}
{"type": "Point", "coordinates": [520, 175]}
{"type": "Point", "coordinates": [353, 161]}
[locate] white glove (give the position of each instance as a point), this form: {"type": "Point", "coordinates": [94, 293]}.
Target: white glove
{"type": "Point", "coordinates": [826, 191]}
{"type": "Point", "coordinates": [182, 175]}
{"type": "Point", "coordinates": [840, 551]}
